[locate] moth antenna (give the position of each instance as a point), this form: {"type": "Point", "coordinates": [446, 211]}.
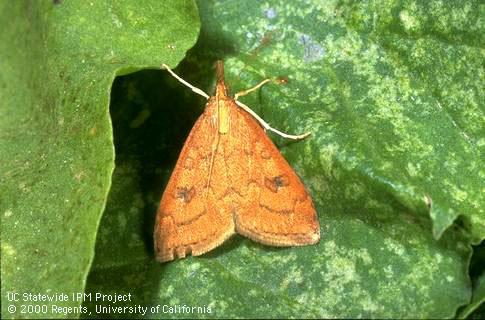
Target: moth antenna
{"type": "Point", "coordinates": [194, 89]}
{"type": "Point", "coordinates": [256, 87]}
{"type": "Point", "coordinates": [266, 125]}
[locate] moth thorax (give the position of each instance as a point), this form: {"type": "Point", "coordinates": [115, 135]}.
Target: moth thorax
{"type": "Point", "coordinates": [223, 114]}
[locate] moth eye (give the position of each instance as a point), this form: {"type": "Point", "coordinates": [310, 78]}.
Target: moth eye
{"type": "Point", "coordinates": [185, 194]}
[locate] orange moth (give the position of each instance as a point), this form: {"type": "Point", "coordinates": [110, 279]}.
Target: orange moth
{"type": "Point", "coordinates": [230, 178]}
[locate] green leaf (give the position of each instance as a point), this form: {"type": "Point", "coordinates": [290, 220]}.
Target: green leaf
{"type": "Point", "coordinates": [478, 298]}
{"type": "Point", "coordinates": [392, 94]}
{"type": "Point", "coordinates": [58, 62]}
{"type": "Point", "coordinates": [476, 308]}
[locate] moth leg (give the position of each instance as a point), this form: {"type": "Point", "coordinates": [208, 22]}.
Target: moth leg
{"type": "Point", "coordinates": [194, 89]}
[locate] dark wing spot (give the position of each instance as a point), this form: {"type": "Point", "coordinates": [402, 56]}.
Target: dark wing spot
{"type": "Point", "coordinates": [185, 194]}
{"type": "Point", "coordinates": [281, 181]}
{"type": "Point", "coordinates": [277, 182]}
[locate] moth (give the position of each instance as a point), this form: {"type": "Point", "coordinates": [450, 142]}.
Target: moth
{"type": "Point", "coordinates": [230, 178]}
